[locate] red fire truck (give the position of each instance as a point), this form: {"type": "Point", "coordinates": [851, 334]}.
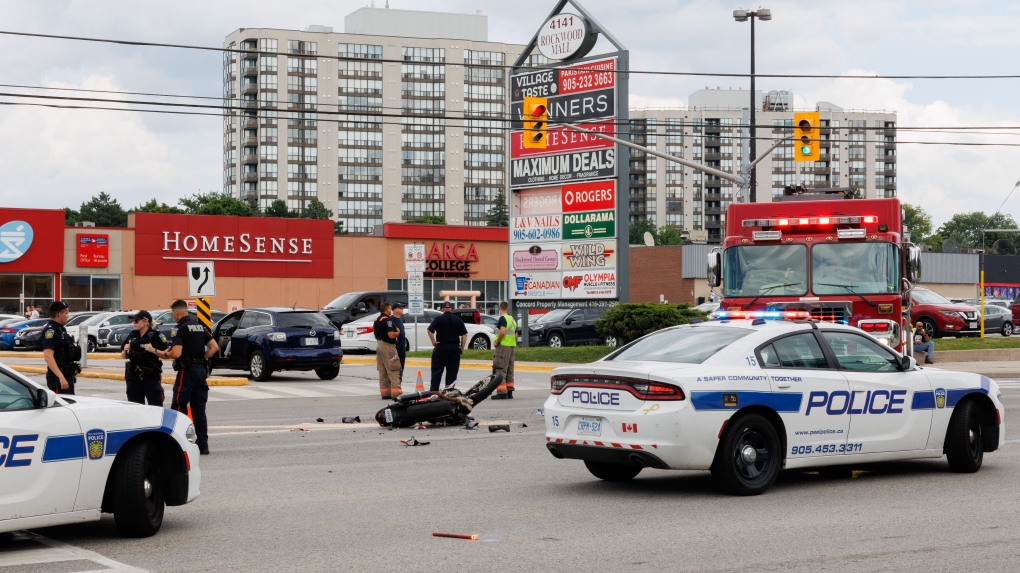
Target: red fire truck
{"type": "Point", "coordinates": [822, 252]}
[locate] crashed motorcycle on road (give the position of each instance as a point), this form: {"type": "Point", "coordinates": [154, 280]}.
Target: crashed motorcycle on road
{"type": "Point", "coordinates": [448, 406]}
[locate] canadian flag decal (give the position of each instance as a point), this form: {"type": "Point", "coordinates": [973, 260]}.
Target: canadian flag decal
{"type": "Point", "coordinates": [629, 428]}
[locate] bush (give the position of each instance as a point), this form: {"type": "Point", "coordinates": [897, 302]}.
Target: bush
{"type": "Point", "coordinates": [630, 321]}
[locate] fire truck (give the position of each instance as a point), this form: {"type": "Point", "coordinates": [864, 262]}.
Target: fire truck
{"type": "Point", "coordinates": [820, 253]}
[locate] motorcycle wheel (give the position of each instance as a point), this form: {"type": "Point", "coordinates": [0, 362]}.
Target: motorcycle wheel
{"type": "Point", "coordinates": [484, 388]}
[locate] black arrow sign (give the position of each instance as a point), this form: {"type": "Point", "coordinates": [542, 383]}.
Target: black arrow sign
{"type": "Point", "coordinates": [206, 271]}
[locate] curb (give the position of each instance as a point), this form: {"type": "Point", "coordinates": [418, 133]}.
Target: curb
{"type": "Point", "coordinates": [169, 380]}
{"type": "Point", "coordinates": [421, 363]}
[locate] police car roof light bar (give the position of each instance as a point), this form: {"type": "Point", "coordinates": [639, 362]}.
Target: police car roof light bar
{"type": "Point", "coordinates": [763, 314]}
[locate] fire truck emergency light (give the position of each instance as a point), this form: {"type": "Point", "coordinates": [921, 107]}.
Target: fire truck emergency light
{"type": "Point", "coordinates": [809, 221]}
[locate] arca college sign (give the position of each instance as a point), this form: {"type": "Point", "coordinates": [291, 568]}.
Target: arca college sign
{"type": "Point", "coordinates": [241, 246]}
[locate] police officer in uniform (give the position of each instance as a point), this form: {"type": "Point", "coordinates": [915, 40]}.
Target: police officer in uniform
{"type": "Point", "coordinates": [60, 351]}
{"type": "Point", "coordinates": [144, 371]}
{"type": "Point", "coordinates": [503, 357]}
{"type": "Point", "coordinates": [398, 321]}
{"type": "Point", "coordinates": [386, 359]}
{"type": "Point", "coordinates": [448, 335]}
{"type": "Point", "coordinates": [191, 346]}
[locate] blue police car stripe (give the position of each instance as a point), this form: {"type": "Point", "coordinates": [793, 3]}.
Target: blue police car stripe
{"type": "Point", "coordinates": [923, 401]}
{"type": "Point", "coordinates": [778, 401]}
{"type": "Point", "coordinates": [953, 397]}
{"type": "Point", "coordinates": [63, 448]}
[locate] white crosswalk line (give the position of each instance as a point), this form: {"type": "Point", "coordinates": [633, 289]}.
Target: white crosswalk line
{"type": "Point", "coordinates": [57, 552]}
{"type": "Point", "coordinates": [353, 390]}
{"type": "Point", "coordinates": [297, 391]}
{"type": "Point", "coordinates": [235, 393]}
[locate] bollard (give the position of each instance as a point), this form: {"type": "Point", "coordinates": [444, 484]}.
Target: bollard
{"type": "Point", "coordinates": [83, 335]}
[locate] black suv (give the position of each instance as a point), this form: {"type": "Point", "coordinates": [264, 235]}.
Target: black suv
{"type": "Point", "coordinates": [350, 306]}
{"type": "Point", "coordinates": [566, 327]}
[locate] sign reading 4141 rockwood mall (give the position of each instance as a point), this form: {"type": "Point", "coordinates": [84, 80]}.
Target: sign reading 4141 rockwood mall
{"type": "Point", "coordinates": [565, 213]}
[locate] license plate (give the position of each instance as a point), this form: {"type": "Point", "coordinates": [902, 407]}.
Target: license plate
{"type": "Point", "coordinates": [973, 325]}
{"type": "Point", "coordinates": [389, 416]}
{"type": "Point", "coordinates": [311, 341]}
{"type": "Point", "coordinates": [589, 426]}
{"type": "Point", "coordinates": [350, 334]}
{"type": "Point", "coordinates": [17, 343]}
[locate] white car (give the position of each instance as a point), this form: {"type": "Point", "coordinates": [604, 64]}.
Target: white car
{"type": "Point", "coordinates": [69, 459]}
{"type": "Point", "coordinates": [97, 328]}
{"type": "Point", "coordinates": [359, 335]}
{"type": "Point", "coordinates": [747, 398]}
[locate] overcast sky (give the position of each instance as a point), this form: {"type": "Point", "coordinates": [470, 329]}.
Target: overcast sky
{"type": "Point", "coordinates": [58, 157]}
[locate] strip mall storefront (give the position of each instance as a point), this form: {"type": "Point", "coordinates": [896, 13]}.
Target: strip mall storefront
{"type": "Point", "coordinates": [257, 261]}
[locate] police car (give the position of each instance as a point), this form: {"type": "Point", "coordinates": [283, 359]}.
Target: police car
{"type": "Point", "coordinates": [746, 398]}
{"type": "Point", "coordinates": [68, 459]}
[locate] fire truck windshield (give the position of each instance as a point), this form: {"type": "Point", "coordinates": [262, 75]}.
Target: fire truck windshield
{"type": "Point", "coordinates": [770, 270]}
{"type": "Point", "coordinates": [858, 268]}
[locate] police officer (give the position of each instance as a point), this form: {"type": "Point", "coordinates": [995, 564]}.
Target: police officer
{"type": "Point", "coordinates": [503, 355]}
{"type": "Point", "coordinates": [398, 321]}
{"type": "Point", "coordinates": [448, 335]}
{"type": "Point", "coordinates": [144, 371]}
{"type": "Point", "coordinates": [191, 345]}
{"type": "Point", "coordinates": [387, 361]}
{"type": "Point", "coordinates": [60, 351]}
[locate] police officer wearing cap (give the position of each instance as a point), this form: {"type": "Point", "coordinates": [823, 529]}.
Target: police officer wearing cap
{"type": "Point", "coordinates": [60, 351]}
{"type": "Point", "coordinates": [191, 345]}
{"type": "Point", "coordinates": [144, 370]}
{"type": "Point", "coordinates": [448, 335]}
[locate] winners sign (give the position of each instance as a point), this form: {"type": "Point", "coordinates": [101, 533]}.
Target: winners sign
{"type": "Point", "coordinates": [565, 211]}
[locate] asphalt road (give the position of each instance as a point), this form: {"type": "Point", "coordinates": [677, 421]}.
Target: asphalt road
{"type": "Point", "coordinates": [282, 492]}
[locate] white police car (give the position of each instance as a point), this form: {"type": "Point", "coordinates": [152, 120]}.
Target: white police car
{"type": "Point", "coordinates": [746, 398]}
{"type": "Point", "coordinates": [67, 459]}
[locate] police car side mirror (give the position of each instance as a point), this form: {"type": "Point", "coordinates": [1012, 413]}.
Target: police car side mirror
{"type": "Point", "coordinates": [42, 398]}
{"type": "Point", "coordinates": [907, 363]}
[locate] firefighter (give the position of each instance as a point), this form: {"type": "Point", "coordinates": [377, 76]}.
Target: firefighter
{"type": "Point", "coordinates": [387, 362]}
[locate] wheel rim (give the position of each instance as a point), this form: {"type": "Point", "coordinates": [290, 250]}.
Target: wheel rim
{"type": "Point", "coordinates": [973, 437]}
{"type": "Point", "coordinates": [929, 329]}
{"type": "Point", "coordinates": [555, 342]}
{"type": "Point", "coordinates": [611, 341]}
{"type": "Point", "coordinates": [480, 343]}
{"type": "Point", "coordinates": [91, 346]}
{"type": "Point", "coordinates": [150, 489]}
{"type": "Point", "coordinates": [752, 457]}
{"type": "Point", "coordinates": [256, 365]}
{"type": "Point", "coordinates": [1007, 329]}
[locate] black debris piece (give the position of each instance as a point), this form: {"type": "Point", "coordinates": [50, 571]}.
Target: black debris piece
{"type": "Point", "coordinates": [351, 419]}
{"type": "Point", "coordinates": [498, 427]}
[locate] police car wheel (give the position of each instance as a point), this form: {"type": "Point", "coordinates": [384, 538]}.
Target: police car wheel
{"type": "Point", "coordinates": [964, 447]}
{"type": "Point", "coordinates": [612, 472]}
{"type": "Point", "coordinates": [258, 368]}
{"type": "Point", "coordinates": [748, 459]}
{"type": "Point", "coordinates": [480, 342]}
{"type": "Point", "coordinates": [328, 372]}
{"type": "Point", "coordinates": [137, 482]}
{"type": "Point", "coordinates": [555, 340]}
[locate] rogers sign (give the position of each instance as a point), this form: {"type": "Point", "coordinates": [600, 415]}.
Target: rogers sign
{"type": "Point", "coordinates": [241, 246]}
{"type": "Point", "coordinates": [597, 195]}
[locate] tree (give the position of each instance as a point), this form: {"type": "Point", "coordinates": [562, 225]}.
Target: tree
{"type": "Point", "coordinates": [71, 217]}
{"type": "Point", "coordinates": [278, 208]}
{"type": "Point", "coordinates": [338, 228]}
{"type": "Point", "coordinates": [632, 320]}
{"type": "Point", "coordinates": [252, 200]}
{"type": "Point", "coordinates": [918, 222]}
{"type": "Point", "coordinates": [669, 236]}
{"type": "Point", "coordinates": [965, 228]}
{"type": "Point", "coordinates": [639, 228]}
{"type": "Point", "coordinates": [499, 215]}
{"type": "Point", "coordinates": [316, 210]}
{"type": "Point", "coordinates": [104, 211]}
{"type": "Point", "coordinates": [430, 220]}
{"type": "Point", "coordinates": [155, 207]}
{"type": "Point", "coordinates": [213, 203]}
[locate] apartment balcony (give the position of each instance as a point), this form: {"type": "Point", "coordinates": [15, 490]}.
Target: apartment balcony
{"type": "Point", "coordinates": [250, 89]}
{"type": "Point", "coordinates": [249, 70]}
{"type": "Point", "coordinates": [249, 105]}
{"type": "Point", "coordinates": [714, 211]}
{"type": "Point", "coordinates": [250, 158]}
{"type": "Point", "coordinates": [713, 197]}
{"type": "Point", "coordinates": [250, 177]}
{"type": "Point", "coordinates": [250, 124]}
{"type": "Point", "coordinates": [713, 156]}
{"type": "Point", "coordinates": [250, 142]}
{"type": "Point", "coordinates": [713, 224]}
{"type": "Point", "coordinates": [231, 179]}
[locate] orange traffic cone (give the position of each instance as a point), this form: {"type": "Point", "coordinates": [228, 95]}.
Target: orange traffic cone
{"type": "Point", "coordinates": [419, 386]}
{"type": "Point", "coordinates": [189, 414]}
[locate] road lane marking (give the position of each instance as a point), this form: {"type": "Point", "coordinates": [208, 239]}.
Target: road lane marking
{"type": "Point", "coordinates": [297, 391]}
{"type": "Point", "coordinates": [57, 552]}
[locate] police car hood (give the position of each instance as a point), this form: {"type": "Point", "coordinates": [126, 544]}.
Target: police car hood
{"type": "Point", "coordinates": [110, 415]}
{"type": "Point", "coordinates": [631, 368]}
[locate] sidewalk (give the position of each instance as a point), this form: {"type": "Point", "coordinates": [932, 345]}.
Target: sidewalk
{"type": "Point", "coordinates": [990, 368]}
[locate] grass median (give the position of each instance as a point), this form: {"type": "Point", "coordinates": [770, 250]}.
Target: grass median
{"type": "Point", "coordinates": [976, 343]}
{"type": "Point", "coordinates": [573, 354]}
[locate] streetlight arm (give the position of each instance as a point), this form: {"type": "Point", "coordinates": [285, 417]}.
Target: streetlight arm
{"type": "Point", "coordinates": [769, 152]}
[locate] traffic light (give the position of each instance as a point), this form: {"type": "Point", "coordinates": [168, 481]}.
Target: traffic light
{"type": "Point", "coordinates": [806, 136]}
{"type": "Point", "coordinates": [536, 119]}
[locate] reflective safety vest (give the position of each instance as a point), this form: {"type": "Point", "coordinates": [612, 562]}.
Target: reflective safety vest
{"type": "Point", "coordinates": [510, 338]}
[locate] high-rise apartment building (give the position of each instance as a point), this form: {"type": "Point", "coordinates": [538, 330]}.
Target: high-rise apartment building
{"type": "Point", "coordinates": [399, 118]}
{"type": "Point", "coordinates": [858, 150]}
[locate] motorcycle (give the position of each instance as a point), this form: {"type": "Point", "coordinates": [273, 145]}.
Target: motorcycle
{"type": "Point", "coordinates": [448, 406]}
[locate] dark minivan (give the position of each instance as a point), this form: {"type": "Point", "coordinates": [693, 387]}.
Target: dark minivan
{"type": "Point", "coordinates": [352, 305]}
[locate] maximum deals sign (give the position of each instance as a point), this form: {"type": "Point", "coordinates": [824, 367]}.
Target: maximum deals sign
{"type": "Point", "coordinates": [568, 208]}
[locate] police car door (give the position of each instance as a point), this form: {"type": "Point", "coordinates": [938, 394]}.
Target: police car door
{"type": "Point", "coordinates": [885, 416]}
{"type": "Point", "coordinates": [810, 395]}
{"type": "Point", "coordinates": [41, 452]}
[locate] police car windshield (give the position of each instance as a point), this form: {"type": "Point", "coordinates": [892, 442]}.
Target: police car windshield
{"type": "Point", "coordinates": [303, 320]}
{"type": "Point", "coordinates": [685, 345]}
{"type": "Point", "coordinates": [343, 301]}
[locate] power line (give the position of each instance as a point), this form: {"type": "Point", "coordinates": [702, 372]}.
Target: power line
{"type": "Point", "coordinates": [507, 67]}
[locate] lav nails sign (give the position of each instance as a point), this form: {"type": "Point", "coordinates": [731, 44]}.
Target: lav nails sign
{"type": "Point", "coordinates": [566, 36]}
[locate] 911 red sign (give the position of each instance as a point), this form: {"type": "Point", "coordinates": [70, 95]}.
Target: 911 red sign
{"type": "Point", "coordinates": [93, 250]}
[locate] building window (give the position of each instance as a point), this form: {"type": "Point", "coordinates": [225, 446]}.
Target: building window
{"type": "Point", "coordinates": [90, 292]}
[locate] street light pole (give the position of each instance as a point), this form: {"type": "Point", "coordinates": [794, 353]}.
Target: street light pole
{"type": "Point", "coordinates": [763, 14]}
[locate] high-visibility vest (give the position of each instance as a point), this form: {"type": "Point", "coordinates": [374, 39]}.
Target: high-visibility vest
{"type": "Point", "coordinates": [510, 338]}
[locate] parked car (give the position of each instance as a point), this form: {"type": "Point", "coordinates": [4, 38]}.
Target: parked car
{"type": "Point", "coordinates": [102, 329]}
{"type": "Point", "coordinates": [30, 338]}
{"type": "Point", "coordinates": [941, 317]}
{"type": "Point", "coordinates": [92, 324]}
{"type": "Point", "coordinates": [11, 317]}
{"type": "Point", "coordinates": [163, 320]}
{"type": "Point", "coordinates": [1006, 304]}
{"type": "Point", "coordinates": [567, 327]}
{"type": "Point", "coordinates": [998, 319]}
{"type": "Point", "coordinates": [350, 306]}
{"type": "Point", "coordinates": [359, 335]}
{"type": "Point", "coordinates": [265, 340]}
{"type": "Point", "coordinates": [8, 331]}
